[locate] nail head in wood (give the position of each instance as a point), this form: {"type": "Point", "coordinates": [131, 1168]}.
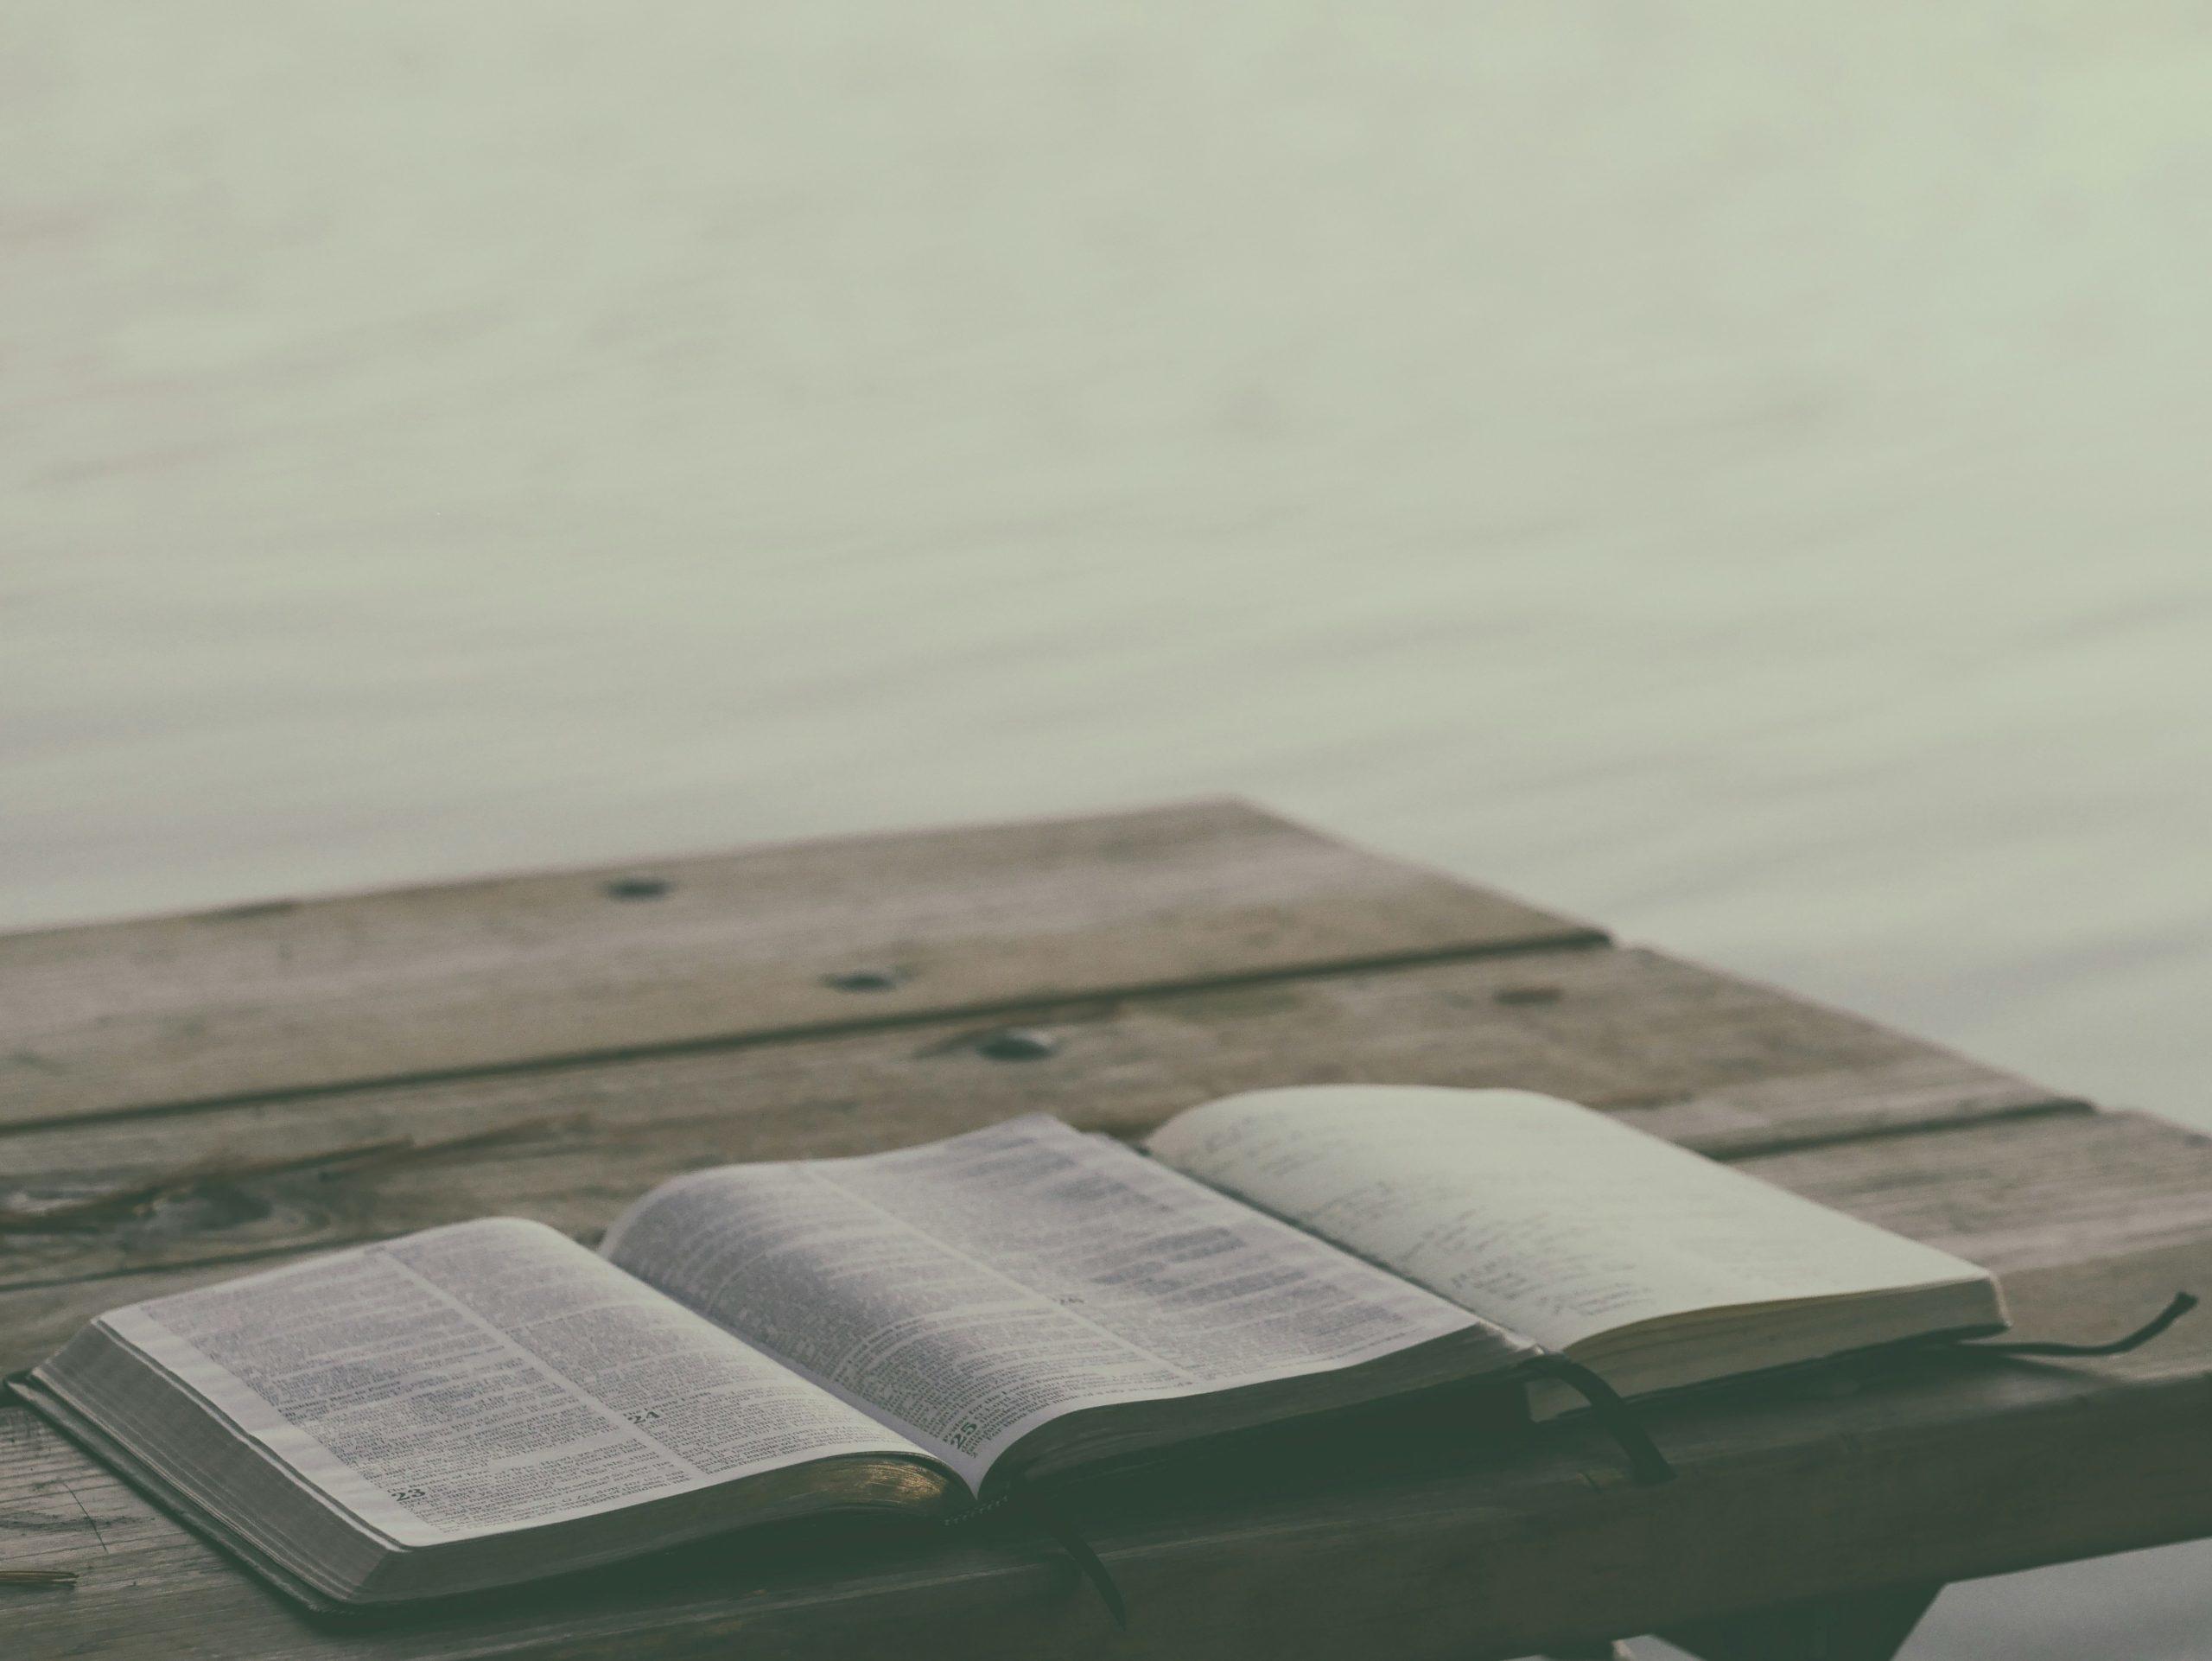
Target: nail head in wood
{"type": "Point", "coordinates": [1522, 995]}
{"type": "Point", "coordinates": [1017, 1044]}
{"type": "Point", "coordinates": [865, 980]}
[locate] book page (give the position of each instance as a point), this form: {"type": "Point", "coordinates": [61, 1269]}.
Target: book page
{"type": "Point", "coordinates": [969, 1290]}
{"type": "Point", "coordinates": [487, 1375]}
{"type": "Point", "coordinates": [1547, 1217]}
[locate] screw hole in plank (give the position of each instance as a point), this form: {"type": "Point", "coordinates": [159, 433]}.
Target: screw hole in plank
{"type": "Point", "coordinates": [1017, 1044]}
{"type": "Point", "coordinates": [1529, 995]}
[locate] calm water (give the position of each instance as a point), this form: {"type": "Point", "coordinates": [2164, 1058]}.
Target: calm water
{"type": "Point", "coordinates": [1740, 478]}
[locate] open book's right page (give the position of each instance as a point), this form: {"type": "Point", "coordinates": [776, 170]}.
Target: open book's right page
{"type": "Point", "coordinates": [1595, 1239]}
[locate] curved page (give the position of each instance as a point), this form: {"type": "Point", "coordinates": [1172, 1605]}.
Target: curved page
{"type": "Point", "coordinates": [484, 1377]}
{"type": "Point", "coordinates": [969, 1290]}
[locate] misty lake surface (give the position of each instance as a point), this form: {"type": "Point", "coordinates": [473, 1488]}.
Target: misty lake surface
{"type": "Point", "coordinates": [1740, 477]}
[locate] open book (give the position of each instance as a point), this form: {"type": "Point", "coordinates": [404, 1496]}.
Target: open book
{"type": "Point", "coordinates": [919, 1331]}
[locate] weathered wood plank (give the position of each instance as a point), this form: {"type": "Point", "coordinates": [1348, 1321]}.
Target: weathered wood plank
{"type": "Point", "coordinates": [1937, 1466]}
{"type": "Point", "coordinates": [2012, 1195]}
{"type": "Point", "coordinates": [287, 996]}
{"type": "Point", "coordinates": [1722, 1064]}
{"type": "Point", "coordinates": [2020, 1194]}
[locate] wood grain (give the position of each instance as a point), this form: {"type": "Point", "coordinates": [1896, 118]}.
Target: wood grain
{"type": "Point", "coordinates": [2025, 1194]}
{"type": "Point", "coordinates": [1722, 1064]}
{"type": "Point", "coordinates": [286, 996]}
{"type": "Point", "coordinates": [2011, 1195]}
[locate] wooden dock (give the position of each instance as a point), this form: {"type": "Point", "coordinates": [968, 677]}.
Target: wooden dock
{"type": "Point", "coordinates": [230, 1090]}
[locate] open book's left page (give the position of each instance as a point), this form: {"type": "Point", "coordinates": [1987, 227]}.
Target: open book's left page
{"type": "Point", "coordinates": [482, 1378]}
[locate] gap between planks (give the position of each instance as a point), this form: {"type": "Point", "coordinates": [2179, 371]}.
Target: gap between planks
{"type": "Point", "coordinates": [2017, 1195]}
{"type": "Point", "coordinates": [1006, 1011]}
{"type": "Point", "coordinates": [343, 1159]}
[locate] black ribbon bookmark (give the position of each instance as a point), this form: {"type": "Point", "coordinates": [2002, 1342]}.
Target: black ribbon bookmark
{"type": "Point", "coordinates": [1050, 1518]}
{"type": "Point", "coordinates": [2182, 1304]}
{"type": "Point", "coordinates": [1645, 1461]}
